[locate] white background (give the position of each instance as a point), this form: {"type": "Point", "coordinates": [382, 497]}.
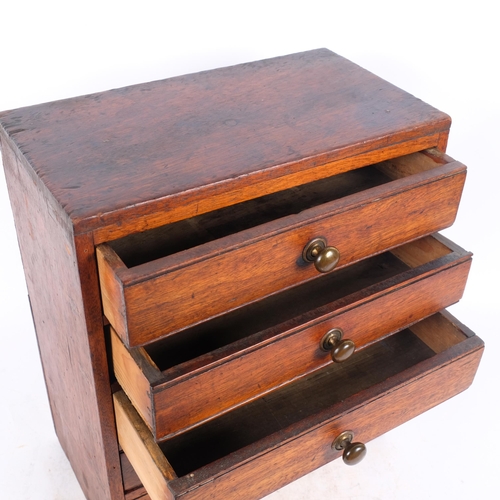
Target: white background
{"type": "Point", "coordinates": [444, 52]}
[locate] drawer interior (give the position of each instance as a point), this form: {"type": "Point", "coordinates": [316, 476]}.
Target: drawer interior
{"type": "Point", "coordinates": [137, 249]}
{"type": "Point", "coordinates": [217, 338]}
{"type": "Point", "coordinates": [309, 396]}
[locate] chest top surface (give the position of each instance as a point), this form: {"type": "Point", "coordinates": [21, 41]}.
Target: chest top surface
{"type": "Point", "coordinates": [217, 130]}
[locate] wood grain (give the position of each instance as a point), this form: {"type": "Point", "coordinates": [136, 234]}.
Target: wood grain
{"type": "Point", "coordinates": [61, 277]}
{"type": "Point", "coordinates": [270, 254]}
{"type": "Point", "coordinates": [175, 208]}
{"type": "Point", "coordinates": [96, 168]}
{"type": "Point", "coordinates": [132, 485]}
{"type": "Point", "coordinates": [135, 372]}
{"type": "Point", "coordinates": [368, 413]}
{"type": "Point", "coordinates": [426, 249]}
{"type": "Point", "coordinates": [113, 301]}
{"type": "Point", "coordinates": [277, 457]}
{"type": "Point", "coordinates": [149, 463]}
{"type": "Point", "coordinates": [283, 465]}
{"type": "Point", "coordinates": [140, 248]}
{"type": "Point", "coordinates": [438, 334]}
{"type": "Point", "coordinates": [195, 391]}
{"type": "Point", "coordinates": [152, 148]}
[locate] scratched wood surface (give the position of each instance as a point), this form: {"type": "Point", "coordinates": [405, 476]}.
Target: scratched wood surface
{"type": "Point", "coordinates": [211, 139]}
{"type": "Point", "coordinates": [61, 277]}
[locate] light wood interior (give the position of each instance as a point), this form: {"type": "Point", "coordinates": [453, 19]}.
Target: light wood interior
{"type": "Point", "coordinates": [406, 165]}
{"type": "Point", "coordinates": [156, 243]}
{"type": "Point", "coordinates": [135, 371]}
{"type": "Point", "coordinates": [150, 464]}
{"type": "Point", "coordinates": [421, 251]}
{"type": "Point", "coordinates": [438, 333]}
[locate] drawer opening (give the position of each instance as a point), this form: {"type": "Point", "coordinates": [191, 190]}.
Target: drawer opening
{"type": "Point", "coordinates": [287, 406]}
{"type": "Point", "coordinates": [140, 248]}
{"type": "Point", "coordinates": [272, 316]}
{"type": "Point", "coordinates": [389, 383]}
{"type": "Point", "coordinates": [220, 264]}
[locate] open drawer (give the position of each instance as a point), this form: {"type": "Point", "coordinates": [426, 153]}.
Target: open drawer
{"type": "Point", "coordinates": [163, 280]}
{"type": "Point", "coordinates": [259, 447]}
{"type": "Point", "coordinates": [185, 379]}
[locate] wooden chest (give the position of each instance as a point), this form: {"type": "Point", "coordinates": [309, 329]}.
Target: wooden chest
{"type": "Point", "coordinates": [236, 275]}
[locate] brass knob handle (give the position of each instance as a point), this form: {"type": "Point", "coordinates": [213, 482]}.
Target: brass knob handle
{"type": "Point", "coordinates": [353, 452]}
{"type": "Point", "coordinates": [340, 350]}
{"type": "Point", "coordinates": [325, 258]}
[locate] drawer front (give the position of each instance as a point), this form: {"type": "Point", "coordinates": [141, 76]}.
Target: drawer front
{"type": "Point", "coordinates": [197, 390]}
{"type": "Point", "coordinates": [161, 297]}
{"type": "Point", "coordinates": [294, 450]}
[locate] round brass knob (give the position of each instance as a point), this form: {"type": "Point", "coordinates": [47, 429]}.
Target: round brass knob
{"type": "Point", "coordinates": [353, 452]}
{"type": "Point", "coordinates": [325, 258]}
{"type": "Point", "coordinates": [340, 350]}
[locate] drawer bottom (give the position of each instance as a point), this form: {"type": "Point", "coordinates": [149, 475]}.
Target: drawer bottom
{"type": "Point", "coordinates": [261, 446]}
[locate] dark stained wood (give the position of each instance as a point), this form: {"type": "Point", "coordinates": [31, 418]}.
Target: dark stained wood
{"type": "Point", "coordinates": [294, 403]}
{"type": "Point", "coordinates": [282, 465]}
{"type": "Point", "coordinates": [173, 209]}
{"type": "Point", "coordinates": [210, 341]}
{"type": "Point", "coordinates": [62, 283]}
{"type": "Point", "coordinates": [223, 135]}
{"type": "Point", "coordinates": [269, 255]}
{"type": "Point", "coordinates": [308, 301]}
{"type": "Point", "coordinates": [368, 413]}
{"type": "Point", "coordinates": [138, 495]}
{"type": "Point", "coordinates": [122, 165]}
{"type": "Point", "coordinates": [131, 483]}
{"type": "Point", "coordinates": [389, 383]}
{"type": "Point", "coordinates": [211, 392]}
{"type": "Point", "coordinates": [203, 387]}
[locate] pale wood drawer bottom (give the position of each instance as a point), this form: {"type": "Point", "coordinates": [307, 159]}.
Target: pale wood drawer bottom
{"type": "Point", "coordinates": [276, 439]}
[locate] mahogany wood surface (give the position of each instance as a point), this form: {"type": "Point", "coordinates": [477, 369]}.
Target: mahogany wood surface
{"type": "Point", "coordinates": [93, 176]}
{"type": "Point", "coordinates": [203, 387]}
{"type": "Point", "coordinates": [62, 284]}
{"type": "Point", "coordinates": [245, 266]}
{"type": "Point", "coordinates": [143, 149]}
{"type": "Point", "coordinates": [307, 301]}
{"type": "Point", "coordinates": [409, 379]}
{"type": "Point", "coordinates": [141, 248]}
{"type": "Point", "coordinates": [173, 209]}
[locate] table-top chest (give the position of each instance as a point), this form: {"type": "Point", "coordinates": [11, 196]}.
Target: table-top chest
{"type": "Point", "coordinates": [230, 268]}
